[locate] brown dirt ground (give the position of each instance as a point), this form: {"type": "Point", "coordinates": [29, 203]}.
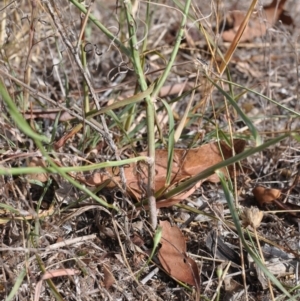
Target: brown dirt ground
{"type": "Point", "coordinates": [105, 249]}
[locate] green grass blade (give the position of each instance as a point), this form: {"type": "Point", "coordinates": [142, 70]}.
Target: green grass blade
{"type": "Point", "coordinates": [130, 100]}
{"type": "Point", "coordinates": [265, 97]}
{"type": "Point", "coordinates": [17, 285]}
{"type": "Point", "coordinates": [236, 221]}
{"type": "Point", "coordinates": [209, 171]}
{"type": "Point", "coordinates": [91, 167]}
{"type": "Point", "coordinates": [22, 124]}
{"type": "Point", "coordinates": [175, 49]}
{"type": "Point", "coordinates": [171, 142]}
{"type": "Point", "coordinates": [18, 118]}
{"type": "Point", "coordinates": [9, 208]}
{"type": "Point", "coordinates": [244, 117]}
{"type": "Point", "coordinates": [156, 241]}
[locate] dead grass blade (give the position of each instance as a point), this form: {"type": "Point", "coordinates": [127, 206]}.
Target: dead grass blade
{"type": "Point", "coordinates": [238, 36]}
{"type": "Point", "coordinates": [52, 274]}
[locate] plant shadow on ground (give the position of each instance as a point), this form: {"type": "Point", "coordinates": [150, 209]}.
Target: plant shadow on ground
{"type": "Point", "coordinates": [75, 222]}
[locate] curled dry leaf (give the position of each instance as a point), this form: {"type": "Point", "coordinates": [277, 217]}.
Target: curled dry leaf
{"type": "Point", "coordinates": [172, 256]}
{"type": "Point", "coordinates": [258, 23]}
{"type": "Point", "coordinates": [266, 195]}
{"type": "Point", "coordinates": [186, 163]}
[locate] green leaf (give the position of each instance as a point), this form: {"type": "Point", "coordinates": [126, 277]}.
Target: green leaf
{"type": "Point", "coordinates": [244, 117]}
{"type": "Point", "coordinates": [17, 285]}
{"type": "Point", "coordinates": [171, 142]}
{"type": "Point", "coordinates": [18, 118]}
{"type": "Point", "coordinates": [156, 241]}
{"type": "Point", "coordinates": [235, 218]}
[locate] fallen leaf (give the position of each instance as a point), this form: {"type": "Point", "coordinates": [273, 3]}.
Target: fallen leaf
{"type": "Point", "coordinates": [266, 195]}
{"type": "Point", "coordinates": [258, 23]}
{"type": "Point", "coordinates": [248, 70]}
{"type": "Point", "coordinates": [186, 163]}
{"type": "Point", "coordinates": [172, 256]}
{"type": "Point", "coordinates": [175, 89]}
{"type": "Point", "coordinates": [137, 240]}
{"type": "Point", "coordinates": [109, 278]}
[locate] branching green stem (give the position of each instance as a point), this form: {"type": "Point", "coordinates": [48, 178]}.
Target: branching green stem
{"type": "Point", "coordinates": [136, 60]}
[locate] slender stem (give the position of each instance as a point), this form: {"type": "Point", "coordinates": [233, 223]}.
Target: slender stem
{"type": "Point", "coordinates": [166, 72]}
{"type": "Point", "coordinates": [135, 55]}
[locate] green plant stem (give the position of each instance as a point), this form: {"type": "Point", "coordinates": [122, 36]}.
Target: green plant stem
{"type": "Point", "coordinates": [239, 230]}
{"type": "Point", "coordinates": [29, 170]}
{"type": "Point", "coordinates": [38, 139]}
{"type": "Point", "coordinates": [165, 74]}
{"type": "Point", "coordinates": [135, 57]}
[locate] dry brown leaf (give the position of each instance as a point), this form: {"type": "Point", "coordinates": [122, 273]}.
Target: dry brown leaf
{"type": "Point", "coordinates": [172, 256]}
{"type": "Point", "coordinates": [249, 70]}
{"type": "Point", "coordinates": [266, 195]}
{"type": "Point", "coordinates": [109, 278]}
{"type": "Point", "coordinates": [177, 198]}
{"type": "Point", "coordinates": [186, 163]}
{"type": "Point", "coordinates": [137, 240]}
{"type": "Point", "coordinates": [67, 136]}
{"type": "Point", "coordinates": [258, 23]}
{"type": "Point", "coordinates": [175, 89]}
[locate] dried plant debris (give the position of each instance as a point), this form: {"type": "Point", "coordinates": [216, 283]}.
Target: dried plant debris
{"type": "Point", "coordinates": [186, 163]}
{"type": "Point", "coordinates": [57, 241]}
{"type": "Point", "coordinates": [251, 217]}
{"type": "Point", "coordinates": [172, 255]}
{"type": "Point", "coordinates": [219, 249]}
{"type": "Point", "coordinates": [267, 197]}
{"type": "Point", "coordinates": [259, 22]}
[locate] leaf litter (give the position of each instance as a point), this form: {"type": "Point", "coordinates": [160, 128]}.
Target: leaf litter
{"type": "Point", "coordinates": [259, 23]}
{"type": "Point", "coordinates": [173, 257]}
{"type": "Point", "coordinates": [186, 163]}
{"type": "Point", "coordinates": [76, 234]}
